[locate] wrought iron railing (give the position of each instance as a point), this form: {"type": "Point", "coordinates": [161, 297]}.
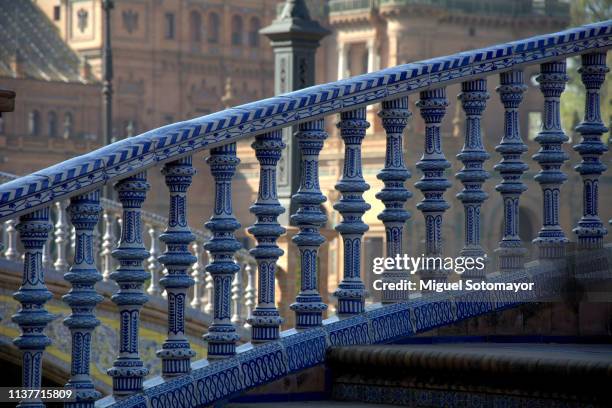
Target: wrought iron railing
{"type": "Point", "coordinates": [124, 165]}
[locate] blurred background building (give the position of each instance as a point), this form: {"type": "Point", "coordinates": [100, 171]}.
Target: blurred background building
{"type": "Point", "coordinates": [179, 59]}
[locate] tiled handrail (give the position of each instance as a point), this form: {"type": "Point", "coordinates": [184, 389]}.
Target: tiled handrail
{"type": "Point", "coordinates": [168, 143]}
{"type": "Point", "coordinates": [125, 164]}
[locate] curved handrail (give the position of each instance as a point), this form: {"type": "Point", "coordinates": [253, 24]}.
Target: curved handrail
{"type": "Point", "coordinates": [171, 142]}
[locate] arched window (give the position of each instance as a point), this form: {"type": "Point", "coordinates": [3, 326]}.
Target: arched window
{"type": "Point", "coordinates": [34, 123]}
{"type": "Point", "coordinates": [52, 124]}
{"type": "Point", "coordinates": [237, 30]}
{"type": "Point", "coordinates": [254, 26]}
{"type": "Point", "coordinates": [214, 27]}
{"type": "Point", "coordinates": [68, 125]}
{"type": "Point", "coordinates": [195, 26]}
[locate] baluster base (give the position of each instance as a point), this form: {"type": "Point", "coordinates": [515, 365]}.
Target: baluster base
{"type": "Point", "coordinates": [265, 325]}
{"type": "Point", "coordinates": [127, 376]}
{"type": "Point", "coordinates": [511, 258]}
{"type": "Point", "coordinates": [351, 297]}
{"type": "Point", "coordinates": [590, 233]}
{"type": "Point", "coordinates": [221, 341]}
{"type": "Point", "coordinates": [176, 358]}
{"type": "Point", "coordinates": [549, 249]}
{"type": "Point", "coordinates": [308, 311]}
{"type": "Point", "coordinates": [86, 394]}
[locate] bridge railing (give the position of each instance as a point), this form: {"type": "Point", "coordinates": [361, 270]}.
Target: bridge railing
{"type": "Point", "coordinates": [58, 254]}
{"type": "Point", "coordinates": [124, 165]}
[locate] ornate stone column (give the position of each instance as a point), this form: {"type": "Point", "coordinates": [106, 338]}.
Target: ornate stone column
{"type": "Point", "coordinates": [551, 240]}
{"type": "Point", "coordinates": [128, 369]}
{"type": "Point", "coordinates": [221, 336]}
{"type": "Point", "coordinates": [433, 184]}
{"type": "Point", "coordinates": [84, 211]}
{"type": "Point", "coordinates": [511, 251]}
{"type": "Point", "coordinates": [394, 116]}
{"type": "Point", "coordinates": [590, 229]}
{"type": "Point", "coordinates": [265, 320]}
{"type": "Point", "coordinates": [351, 292]}
{"type": "Point", "coordinates": [473, 99]}
{"type": "Point", "coordinates": [309, 306]}
{"type": "Point", "coordinates": [176, 353]}
{"type": "Point", "coordinates": [32, 317]}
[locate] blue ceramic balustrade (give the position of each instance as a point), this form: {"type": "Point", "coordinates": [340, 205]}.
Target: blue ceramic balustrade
{"type": "Point", "coordinates": [265, 320]}
{"type": "Point", "coordinates": [84, 211]}
{"type": "Point", "coordinates": [222, 336]}
{"type": "Point", "coordinates": [551, 240]}
{"type": "Point", "coordinates": [351, 291]}
{"type": "Point", "coordinates": [309, 306]}
{"type": "Point", "coordinates": [394, 116]}
{"type": "Point", "coordinates": [433, 184]}
{"type": "Point", "coordinates": [511, 252]}
{"type": "Point", "coordinates": [590, 229]}
{"type": "Point", "coordinates": [32, 317]}
{"type": "Point", "coordinates": [473, 99]}
{"type": "Point", "coordinates": [176, 353]}
{"type": "Point", "coordinates": [128, 369]}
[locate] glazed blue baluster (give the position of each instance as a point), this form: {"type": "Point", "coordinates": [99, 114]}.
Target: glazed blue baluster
{"type": "Point", "coordinates": [309, 306]}
{"type": "Point", "coordinates": [175, 352]}
{"type": "Point", "coordinates": [32, 318]}
{"type": "Point", "coordinates": [84, 211]}
{"type": "Point", "coordinates": [221, 336]}
{"type": "Point", "coordinates": [590, 229]}
{"type": "Point", "coordinates": [351, 291]}
{"type": "Point", "coordinates": [128, 369]}
{"type": "Point", "coordinates": [433, 105]}
{"type": "Point", "coordinates": [511, 251]}
{"type": "Point", "coordinates": [265, 319]}
{"type": "Point", "coordinates": [394, 116]}
{"type": "Point", "coordinates": [551, 240]}
{"type": "Point", "coordinates": [473, 99]}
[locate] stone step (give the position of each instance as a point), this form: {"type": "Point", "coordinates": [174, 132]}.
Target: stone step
{"type": "Point", "coordinates": [473, 374]}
